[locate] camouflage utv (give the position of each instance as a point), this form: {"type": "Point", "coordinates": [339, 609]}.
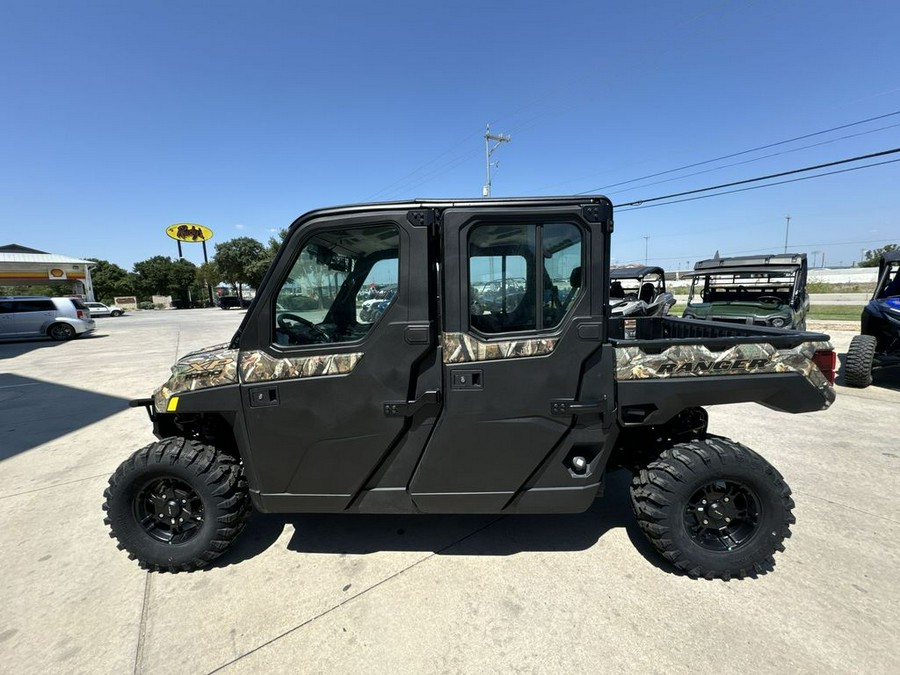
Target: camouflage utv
{"type": "Point", "coordinates": [450, 402]}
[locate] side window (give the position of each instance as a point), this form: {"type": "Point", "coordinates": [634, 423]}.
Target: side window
{"type": "Point", "coordinates": [562, 270]}
{"type": "Point", "coordinates": [522, 277]}
{"type": "Point", "coordinates": [34, 306]}
{"type": "Point", "coordinates": [323, 297]}
{"type": "Point", "coordinates": [378, 291]}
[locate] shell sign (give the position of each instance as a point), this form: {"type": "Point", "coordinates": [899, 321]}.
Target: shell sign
{"type": "Point", "coordinates": [189, 232]}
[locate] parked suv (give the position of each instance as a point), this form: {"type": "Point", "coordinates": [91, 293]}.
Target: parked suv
{"type": "Point", "coordinates": [99, 309]}
{"type": "Point", "coordinates": [26, 316]}
{"type": "Point", "coordinates": [230, 301]}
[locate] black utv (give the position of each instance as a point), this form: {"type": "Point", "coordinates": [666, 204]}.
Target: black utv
{"type": "Point", "coordinates": [448, 403]}
{"type": "Point", "coordinates": [878, 346]}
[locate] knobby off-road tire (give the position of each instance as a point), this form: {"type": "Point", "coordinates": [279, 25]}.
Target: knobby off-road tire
{"type": "Point", "coordinates": [176, 505]}
{"type": "Point", "coordinates": [858, 367]}
{"type": "Point", "coordinates": [713, 508]}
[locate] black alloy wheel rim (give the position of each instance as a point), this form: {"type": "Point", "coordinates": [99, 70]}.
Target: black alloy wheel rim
{"type": "Point", "coordinates": [169, 510]}
{"type": "Point", "coordinates": [722, 515]}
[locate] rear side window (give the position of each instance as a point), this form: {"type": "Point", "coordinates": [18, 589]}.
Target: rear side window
{"type": "Point", "coordinates": [78, 303]}
{"type": "Point", "coordinates": [34, 306]}
{"type": "Point", "coordinates": [522, 277]}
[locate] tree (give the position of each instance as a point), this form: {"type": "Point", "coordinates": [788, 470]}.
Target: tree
{"type": "Point", "coordinates": [110, 280]}
{"type": "Point", "coordinates": [257, 269]}
{"type": "Point", "coordinates": [208, 277]}
{"type": "Point", "coordinates": [874, 256]}
{"type": "Point", "coordinates": [276, 241]}
{"type": "Point", "coordinates": [235, 260]}
{"type": "Point", "coordinates": [160, 275]}
{"type": "Point", "coordinates": [184, 274]}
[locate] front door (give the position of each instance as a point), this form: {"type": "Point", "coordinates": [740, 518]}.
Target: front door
{"type": "Point", "coordinates": [523, 320]}
{"type": "Point", "coordinates": [330, 354]}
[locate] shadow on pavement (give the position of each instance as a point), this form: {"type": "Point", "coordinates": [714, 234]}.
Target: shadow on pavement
{"type": "Point", "coordinates": [357, 534]}
{"type": "Point", "coordinates": [13, 348]}
{"type": "Point", "coordinates": [33, 412]}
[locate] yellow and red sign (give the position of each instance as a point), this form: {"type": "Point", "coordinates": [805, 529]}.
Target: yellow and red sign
{"type": "Point", "coordinates": [189, 232]}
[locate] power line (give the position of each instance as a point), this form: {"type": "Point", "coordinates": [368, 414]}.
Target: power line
{"type": "Point", "coordinates": [758, 187]}
{"type": "Point", "coordinates": [859, 158]}
{"type": "Point", "coordinates": [743, 152]}
{"type": "Point", "coordinates": [757, 159]}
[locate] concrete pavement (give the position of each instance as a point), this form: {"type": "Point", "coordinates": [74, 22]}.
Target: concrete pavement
{"type": "Point", "coordinates": [330, 593]}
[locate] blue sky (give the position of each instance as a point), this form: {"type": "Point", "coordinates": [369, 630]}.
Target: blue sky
{"type": "Point", "coordinates": [120, 119]}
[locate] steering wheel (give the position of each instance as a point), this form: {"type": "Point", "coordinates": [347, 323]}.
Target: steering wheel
{"type": "Point", "coordinates": [310, 332]}
{"type": "Point", "coordinates": [770, 299]}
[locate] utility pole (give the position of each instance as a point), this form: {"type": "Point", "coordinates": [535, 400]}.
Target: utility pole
{"type": "Point", "coordinates": [488, 151]}
{"type": "Point", "coordinates": [646, 247]}
{"type": "Point", "coordinates": [787, 228]}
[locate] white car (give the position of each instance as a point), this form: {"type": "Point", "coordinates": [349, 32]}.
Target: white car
{"type": "Point", "coordinates": [99, 309]}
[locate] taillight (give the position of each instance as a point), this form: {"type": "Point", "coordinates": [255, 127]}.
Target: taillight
{"type": "Point", "coordinates": [826, 361]}
{"type": "Point", "coordinates": [79, 313]}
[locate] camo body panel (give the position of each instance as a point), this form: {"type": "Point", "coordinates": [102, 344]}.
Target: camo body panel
{"type": "Point", "coordinates": [632, 363]}
{"type": "Point", "coordinates": [257, 366]}
{"type": "Point", "coordinates": [464, 348]}
{"type": "Point", "coordinates": [211, 367]}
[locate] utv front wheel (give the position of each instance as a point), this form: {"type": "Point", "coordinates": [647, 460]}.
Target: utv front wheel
{"type": "Point", "coordinates": [858, 366]}
{"type": "Point", "coordinates": [176, 505]}
{"type": "Point", "coordinates": [713, 508]}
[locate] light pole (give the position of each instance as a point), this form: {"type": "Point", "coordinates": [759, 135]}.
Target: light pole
{"type": "Point", "coordinates": [787, 228]}
{"type": "Point", "coordinates": [488, 151]}
{"type": "Point", "coordinates": [646, 247]}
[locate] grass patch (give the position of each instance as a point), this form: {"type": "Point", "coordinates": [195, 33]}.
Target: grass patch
{"type": "Point", "coordinates": [821, 287]}
{"type": "Point", "coordinates": [835, 312]}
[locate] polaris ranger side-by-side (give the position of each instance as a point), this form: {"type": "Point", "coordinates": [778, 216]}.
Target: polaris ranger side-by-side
{"type": "Point", "coordinates": [446, 403]}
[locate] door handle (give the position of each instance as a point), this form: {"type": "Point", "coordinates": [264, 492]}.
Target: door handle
{"type": "Point", "coordinates": [410, 408]}
{"type": "Point", "coordinates": [567, 406]}
{"type": "Point", "coordinates": [262, 397]}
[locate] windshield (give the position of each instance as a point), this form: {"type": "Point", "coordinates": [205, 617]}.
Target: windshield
{"type": "Point", "coordinates": [890, 282]}
{"type": "Point", "coordinates": [737, 286]}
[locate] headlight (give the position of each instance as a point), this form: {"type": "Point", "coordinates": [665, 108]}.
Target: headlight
{"type": "Point", "coordinates": [778, 321]}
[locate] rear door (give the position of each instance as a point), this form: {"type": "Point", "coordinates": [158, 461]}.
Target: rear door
{"type": "Point", "coordinates": [325, 389]}
{"type": "Point", "coordinates": [7, 318]}
{"type": "Point", "coordinates": [523, 321]}
{"type": "Point", "coordinates": [33, 315]}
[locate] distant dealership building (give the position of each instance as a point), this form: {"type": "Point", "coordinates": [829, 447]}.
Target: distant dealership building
{"type": "Point", "coordinates": [23, 266]}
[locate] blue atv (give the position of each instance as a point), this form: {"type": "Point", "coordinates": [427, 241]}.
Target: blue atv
{"type": "Point", "coordinates": [879, 344]}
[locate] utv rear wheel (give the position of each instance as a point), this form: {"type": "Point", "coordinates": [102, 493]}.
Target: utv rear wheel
{"type": "Point", "coordinates": [61, 332]}
{"type": "Point", "coordinates": [176, 505]}
{"type": "Point", "coordinates": [713, 508]}
{"type": "Point", "coordinates": [858, 367]}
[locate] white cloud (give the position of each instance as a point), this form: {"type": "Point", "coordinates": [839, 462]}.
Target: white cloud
{"type": "Point", "coordinates": [239, 226]}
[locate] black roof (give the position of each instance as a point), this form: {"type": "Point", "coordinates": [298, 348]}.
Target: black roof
{"type": "Point", "coordinates": [636, 272]}
{"type": "Point", "coordinates": [570, 200]}
{"type": "Point", "coordinates": [891, 256]}
{"type": "Point", "coordinates": [751, 261]}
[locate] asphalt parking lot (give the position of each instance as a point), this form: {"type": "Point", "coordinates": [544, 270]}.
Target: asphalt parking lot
{"type": "Point", "coordinates": [330, 593]}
